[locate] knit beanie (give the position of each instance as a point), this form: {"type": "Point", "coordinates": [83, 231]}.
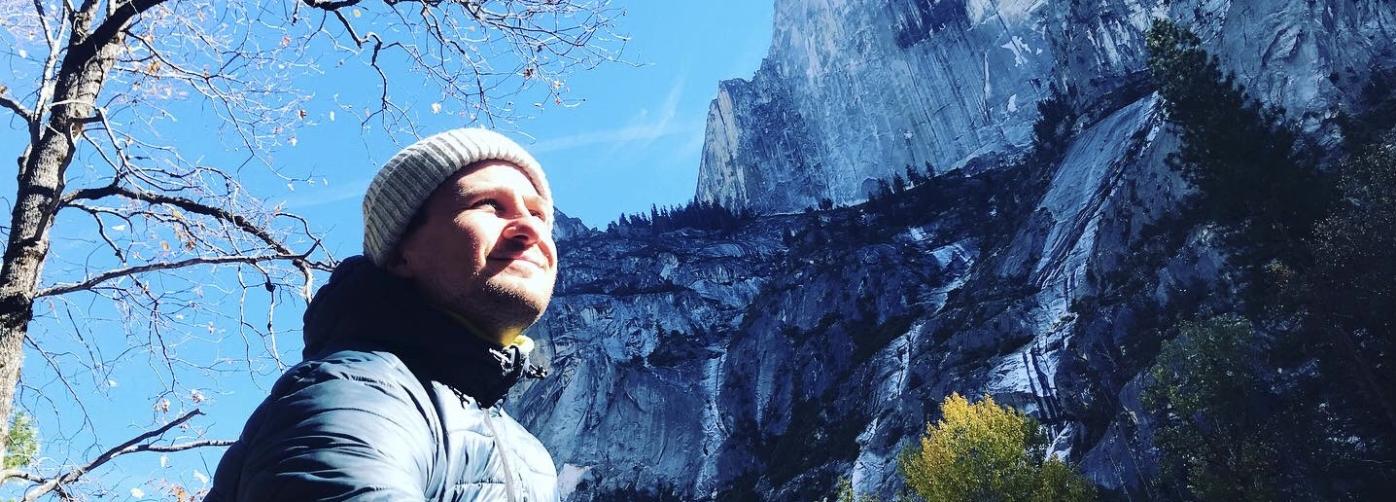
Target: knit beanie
{"type": "Point", "coordinates": [405, 182]}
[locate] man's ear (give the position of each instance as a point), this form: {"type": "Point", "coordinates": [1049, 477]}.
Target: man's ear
{"type": "Point", "coordinates": [396, 263]}
{"type": "Point", "coordinates": [397, 259]}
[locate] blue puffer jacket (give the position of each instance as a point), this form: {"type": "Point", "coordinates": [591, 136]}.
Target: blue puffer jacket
{"type": "Point", "coordinates": [394, 401]}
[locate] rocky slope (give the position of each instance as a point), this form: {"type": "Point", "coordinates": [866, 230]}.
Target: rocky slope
{"type": "Point", "coordinates": [767, 361]}
{"type": "Point", "coordinates": [854, 91]}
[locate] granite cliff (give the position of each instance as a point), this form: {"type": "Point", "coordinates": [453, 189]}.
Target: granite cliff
{"type": "Point", "coordinates": [768, 360]}
{"type": "Point", "coordinates": [854, 91]}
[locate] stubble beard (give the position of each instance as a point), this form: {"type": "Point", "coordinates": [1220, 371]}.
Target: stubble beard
{"type": "Point", "coordinates": [496, 305]}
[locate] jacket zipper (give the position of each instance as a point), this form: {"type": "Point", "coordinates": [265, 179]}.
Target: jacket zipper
{"type": "Point", "coordinates": [503, 458]}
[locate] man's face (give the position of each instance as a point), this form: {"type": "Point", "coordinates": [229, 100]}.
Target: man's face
{"type": "Point", "coordinates": [485, 250]}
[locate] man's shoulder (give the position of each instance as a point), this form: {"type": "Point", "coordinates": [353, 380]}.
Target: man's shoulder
{"type": "Point", "coordinates": [329, 420]}
{"type": "Point", "coordinates": [344, 389]}
{"type": "Point", "coordinates": [335, 369]}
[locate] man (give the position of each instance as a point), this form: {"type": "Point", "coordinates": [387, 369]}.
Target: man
{"type": "Point", "coordinates": [409, 351]}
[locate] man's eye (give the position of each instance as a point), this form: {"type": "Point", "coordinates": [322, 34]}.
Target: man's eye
{"type": "Point", "coordinates": [494, 204]}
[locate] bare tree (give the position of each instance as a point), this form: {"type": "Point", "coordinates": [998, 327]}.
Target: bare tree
{"type": "Point", "coordinates": [152, 230]}
{"type": "Point", "coordinates": [145, 442]}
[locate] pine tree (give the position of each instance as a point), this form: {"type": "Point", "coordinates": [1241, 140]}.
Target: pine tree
{"type": "Point", "coordinates": [1376, 111]}
{"type": "Point", "coordinates": [1056, 123]}
{"type": "Point", "coordinates": [23, 442]}
{"type": "Point", "coordinates": [914, 176]}
{"type": "Point", "coordinates": [884, 190]}
{"type": "Point", "coordinates": [1246, 161]}
{"type": "Point", "coordinates": [1255, 178]}
{"type": "Point", "coordinates": [1350, 292]}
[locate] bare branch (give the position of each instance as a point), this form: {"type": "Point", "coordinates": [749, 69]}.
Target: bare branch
{"type": "Point", "coordinates": [15, 106]}
{"type": "Point", "coordinates": [91, 282]}
{"type": "Point", "coordinates": [301, 260]}
{"type": "Point", "coordinates": [20, 474]}
{"type": "Point", "coordinates": [332, 4]}
{"type": "Point", "coordinates": [186, 204]}
{"type": "Point", "coordinates": [43, 25]}
{"type": "Point", "coordinates": [67, 385]}
{"type": "Point", "coordinates": [450, 47]}
{"type": "Point", "coordinates": [116, 21]}
{"type": "Point", "coordinates": [183, 446]}
{"type": "Point", "coordinates": [134, 445]}
{"type": "Point", "coordinates": [96, 213]}
{"type": "Point", "coordinates": [47, 78]}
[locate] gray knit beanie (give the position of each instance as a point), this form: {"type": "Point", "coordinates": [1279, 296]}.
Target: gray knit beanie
{"type": "Point", "coordinates": [405, 182]}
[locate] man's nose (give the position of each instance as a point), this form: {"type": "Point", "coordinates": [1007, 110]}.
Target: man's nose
{"type": "Point", "coordinates": [525, 228]}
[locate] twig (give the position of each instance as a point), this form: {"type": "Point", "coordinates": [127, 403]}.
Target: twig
{"type": "Point", "coordinates": [90, 282]}
{"type": "Point", "coordinates": [134, 445]}
{"type": "Point", "coordinates": [15, 106]}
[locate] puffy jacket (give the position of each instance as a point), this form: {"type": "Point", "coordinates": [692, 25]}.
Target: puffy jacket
{"type": "Point", "coordinates": [394, 401]}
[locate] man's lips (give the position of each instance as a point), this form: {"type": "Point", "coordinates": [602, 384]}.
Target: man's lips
{"type": "Point", "coordinates": [522, 258]}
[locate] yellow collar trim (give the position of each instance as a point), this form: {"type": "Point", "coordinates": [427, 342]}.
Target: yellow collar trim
{"type": "Point", "coordinates": [523, 342]}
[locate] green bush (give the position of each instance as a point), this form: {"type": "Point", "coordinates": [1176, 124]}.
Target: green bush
{"type": "Point", "coordinates": [843, 492]}
{"type": "Point", "coordinates": [1221, 430]}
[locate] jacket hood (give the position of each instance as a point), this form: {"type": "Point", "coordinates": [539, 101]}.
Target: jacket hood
{"type": "Point", "coordinates": [365, 307]}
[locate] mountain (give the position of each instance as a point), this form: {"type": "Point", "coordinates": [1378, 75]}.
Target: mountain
{"type": "Point", "coordinates": [768, 360]}
{"type": "Point", "coordinates": [854, 91]}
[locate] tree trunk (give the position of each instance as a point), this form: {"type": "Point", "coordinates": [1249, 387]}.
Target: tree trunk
{"type": "Point", "coordinates": [41, 181]}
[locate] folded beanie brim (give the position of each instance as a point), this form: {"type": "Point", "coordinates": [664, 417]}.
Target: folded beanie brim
{"type": "Point", "coordinates": [405, 182]}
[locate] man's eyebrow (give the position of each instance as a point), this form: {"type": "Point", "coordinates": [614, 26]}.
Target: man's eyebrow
{"type": "Point", "coordinates": [477, 191]}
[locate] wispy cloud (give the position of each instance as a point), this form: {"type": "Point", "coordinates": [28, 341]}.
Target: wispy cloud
{"type": "Point", "coordinates": [639, 132]}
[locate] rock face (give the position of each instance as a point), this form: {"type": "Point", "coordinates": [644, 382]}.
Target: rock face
{"type": "Point", "coordinates": [855, 91]}
{"type": "Point", "coordinates": [767, 361]}
{"type": "Point", "coordinates": [566, 227]}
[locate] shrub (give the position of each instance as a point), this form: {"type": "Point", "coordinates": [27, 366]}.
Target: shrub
{"type": "Point", "coordinates": [984, 451]}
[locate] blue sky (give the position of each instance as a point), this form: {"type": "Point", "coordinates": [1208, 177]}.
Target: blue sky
{"type": "Point", "coordinates": [634, 141]}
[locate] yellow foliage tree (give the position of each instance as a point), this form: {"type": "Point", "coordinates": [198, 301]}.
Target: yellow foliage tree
{"type": "Point", "coordinates": [987, 452]}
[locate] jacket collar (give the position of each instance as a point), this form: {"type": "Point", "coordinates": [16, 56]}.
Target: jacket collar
{"type": "Point", "coordinates": [365, 306]}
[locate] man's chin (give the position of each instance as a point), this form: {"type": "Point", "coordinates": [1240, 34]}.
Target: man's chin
{"type": "Point", "coordinates": [525, 294]}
